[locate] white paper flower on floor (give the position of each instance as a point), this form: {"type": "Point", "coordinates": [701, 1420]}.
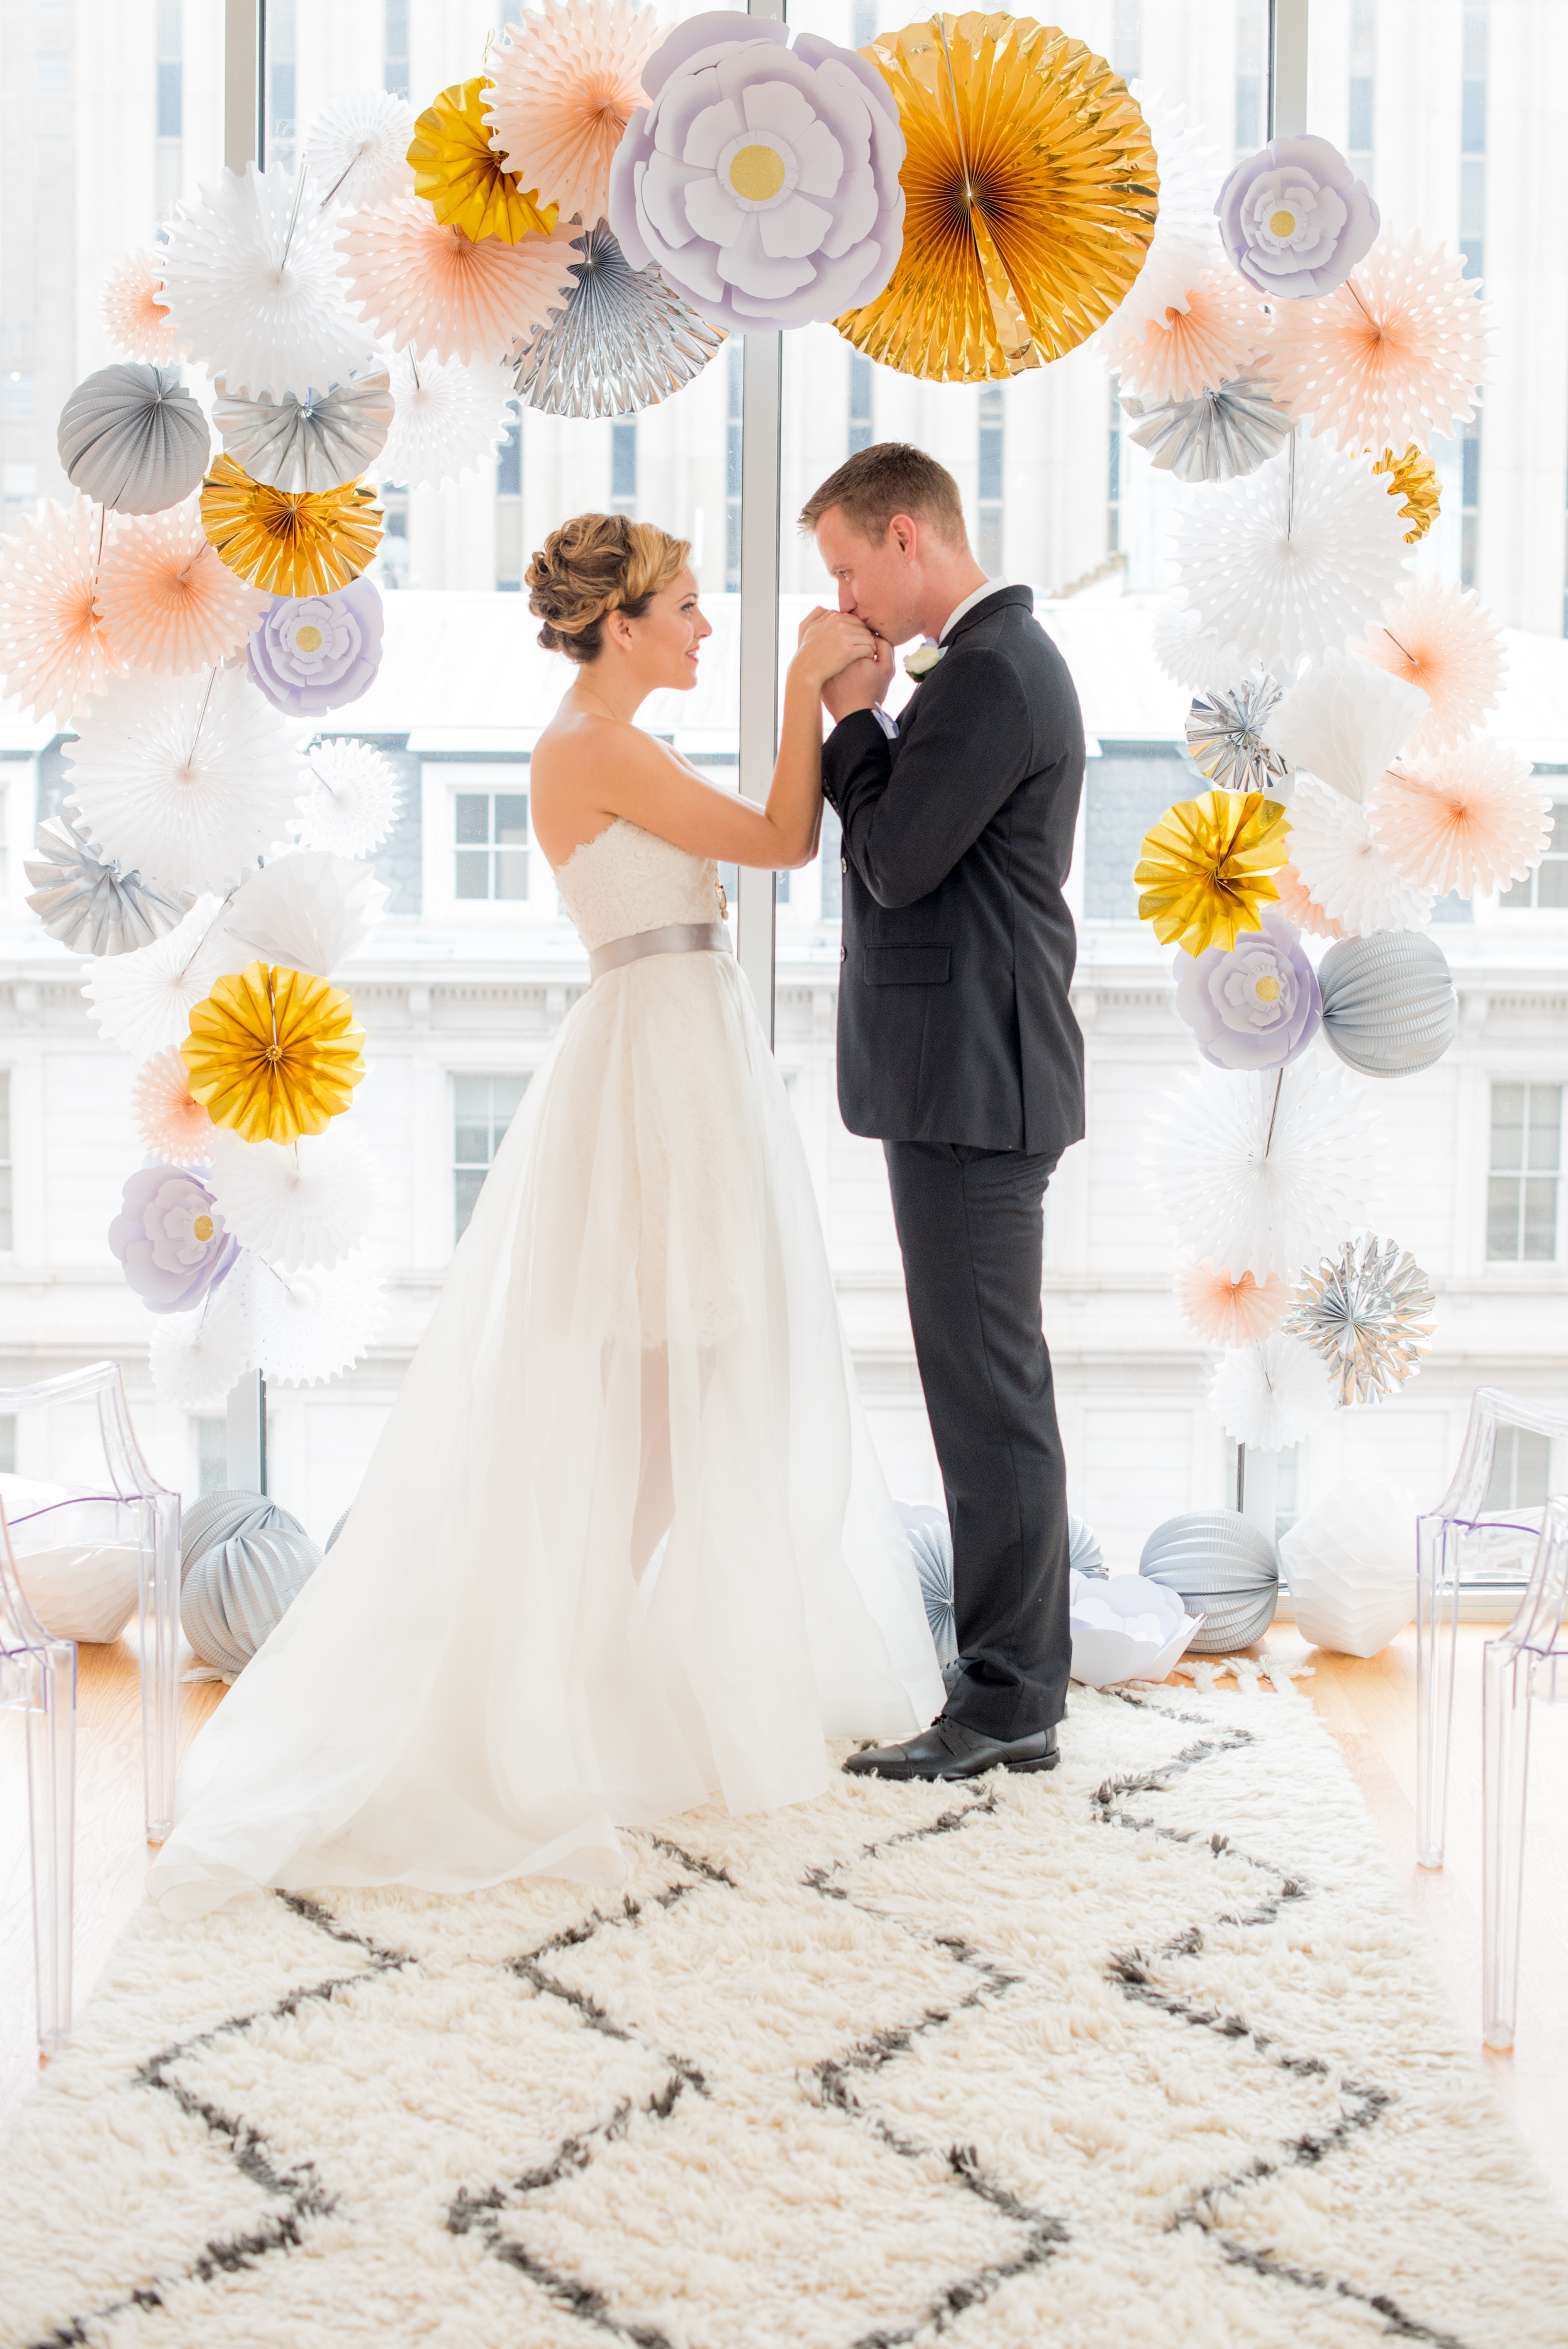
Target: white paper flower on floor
{"type": "Point", "coordinates": [192, 778]}
{"type": "Point", "coordinates": [1209, 341]}
{"type": "Point", "coordinates": [166, 1113]}
{"type": "Point", "coordinates": [566, 78]}
{"type": "Point", "coordinates": [1185, 241]}
{"type": "Point", "coordinates": [1192, 654]}
{"type": "Point", "coordinates": [450, 417]}
{"type": "Point", "coordinates": [1345, 722]}
{"type": "Point", "coordinates": [297, 1205]}
{"type": "Point", "coordinates": [1292, 560]}
{"type": "Point", "coordinates": [1393, 354]}
{"type": "Point", "coordinates": [1269, 1395]}
{"type": "Point", "coordinates": [1226, 1311]}
{"type": "Point", "coordinates": [1262, 1174]}
{"type": "Point", "coordinates": [1465, 821]}
{"type": "Point", "coordinates": [54, 648]}
{"type": "Point", "coordinates": [307, 911]}
{"type": "Point", "coordinates": [1344, 871]}
{"type": "Point", "coordinates": [251, 279]}
{"type": "Point", "coordinates": [312, 1326]}
{"type": "Point", "coordinates": [136, 314]}
{"type": "Point", "coordinates": [143, 1002]}
{"type": "Point", "coordinates": [356, 151]}
{"type": "Point", "coordinates": [439, 292]}
{"type": "Point", "coordinates": [305, 446]}
{"type": "Point", "coordinates": [92, 905]}
{"type": "Point", "coordinates": [1439, 638]}
{"type": "Point", "coordinates": [352, 802]}
{"type": "Point", "coordinates": [763, 180]}
{"type": "Point", "coordinates": [166, 598]}
{"type": "Point", "coordinates": [622, 341]}
{"type": "Point", "coordinates": [196, 1357]}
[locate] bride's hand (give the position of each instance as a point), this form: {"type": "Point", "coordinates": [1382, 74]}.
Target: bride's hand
{"type": "Point", "coordinates": [831, 642]}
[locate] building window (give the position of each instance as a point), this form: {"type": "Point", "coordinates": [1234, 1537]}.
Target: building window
{"type": "Point", "coordinates": [736, 362]}
{"type": "Point", "coordinates": [6, 1239]}
{"type": "Point", "coordinates": [7, 1444]}
{"type": "Point", "coordinates": [395, 48]}
{"type": "Point", "coordinates": [1521, 1470]}
{"type": "Point", "coordinates": [859, 402]}
{"type": "Point", "coordinates": [492, 844]}
{"type": "Point", "coordinates": [1113, 477]}
{"type": "Point", "coordinates": [1252, 74]}
{"type": "Point", "coordinates": [482, 1109]}
{"type": "Point", "coordinates": [623, 466]}
{"type": "Point", "coordinates": [1363, 68]}
{"type": "Point", "coordinates": [281, 100]}
{"type": "Point", "coordinates": [392, 554]}
{"type": "Point", "coordinates": [989, 500]}
{"type": "Point", "coordinates": [1126, 790]}
{"type": "Point", "coordinates": [509, 511]}
{"type": "Point", "coordinates": [1548, 885]}
{"type": "Point", "coordinates": [171, 68]}
{"type": "Point", "coordinates": [211, 1456]}
{"type": "Point", "coordinates": [18, 396]}
{"type": "Point", "coordinates": [1526, 1158]}
{"type": "Point", "coordinates": [1126, 38]}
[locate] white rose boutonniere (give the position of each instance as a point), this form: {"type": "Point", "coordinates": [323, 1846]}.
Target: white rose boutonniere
{"type": "Point", "coordinates": [923, 660]}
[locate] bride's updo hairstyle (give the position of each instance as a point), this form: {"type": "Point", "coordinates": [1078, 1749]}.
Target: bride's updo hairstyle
{"type": "Point", "coordinates": [594, 564]}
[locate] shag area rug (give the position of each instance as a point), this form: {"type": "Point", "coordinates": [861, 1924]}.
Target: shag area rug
{"type": "Point", "coordinates": [1145, 2051]}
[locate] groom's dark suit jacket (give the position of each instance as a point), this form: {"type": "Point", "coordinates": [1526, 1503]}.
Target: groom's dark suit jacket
{"type": "Point", "coordinates": [958, 948]}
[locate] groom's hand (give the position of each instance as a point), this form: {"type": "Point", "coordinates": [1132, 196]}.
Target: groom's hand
{"type": "Point", "coordinates": [863, 683]}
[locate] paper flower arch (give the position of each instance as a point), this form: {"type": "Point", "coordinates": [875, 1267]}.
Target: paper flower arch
{"type": "Point", "coordinates": [1295, 219]}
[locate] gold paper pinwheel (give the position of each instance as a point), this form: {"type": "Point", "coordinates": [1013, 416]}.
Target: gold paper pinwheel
{"type": "Point", "coordinates": [1414, 478]}
{"type": "Point", "coordinates": [1205, 870]}
{"type": "Point", "coordinates": [303, 546]}
{"type": "Point", "coordinates": [467, 184]}
{"type": "Point", "coordinates": [1030, 189]}
{"type": "Point", "coordinates": [273, 1053]}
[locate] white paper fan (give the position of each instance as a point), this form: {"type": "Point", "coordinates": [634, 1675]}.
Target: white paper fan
{"type": "Point", "coordinates": [306, 911]}
{"type": "Point", "coordinates": [450, 417]}
{"type": "Point", "coordinates": [312, 1325]}
{"type": "Point", "coordinates": [192, 778]}
{"type": "Point", "coordinates": [1268, 1395]}
{"type": "Point", "coordinates": [143, 1002]}
{"type": "Point", "coordinates": [1343, 870]}
{"type": "Point", "coordinates": [196, 1357]}
{"type": "Point", "coordinates": [1186, 238]}
{"type": "Point", "coordinates": [357, 152]}
{"type": "Point", "coordinates": [352, 802]}
{"type": "Point", "coordinates": [1192, 652]}
{"type": "Point", "coordinates": [298, 1205]}
{"type": "Point", "coordinates": [1345, 722]}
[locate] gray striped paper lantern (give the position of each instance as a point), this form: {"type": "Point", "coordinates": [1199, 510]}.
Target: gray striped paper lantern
{"type": "Point", "coordinates": [244, 1561]}
{"type": "Point", "coordinates": [1221, 1568]}
{"type": "Point", "coordinates": [1388, 1002]}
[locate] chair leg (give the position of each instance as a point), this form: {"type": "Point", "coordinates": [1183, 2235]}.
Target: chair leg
{"type": "Point", "coordinates": [1505, 1767]}
{"type": "Point", "coordinates": [157, 1625]}
{"type": "Point", "coordinates": [1436, 1634]}
{"type": "Point", "coordinates": [51, 1795]}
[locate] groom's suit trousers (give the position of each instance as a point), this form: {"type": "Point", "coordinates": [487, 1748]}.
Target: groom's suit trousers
{"type": "Point", "coordinates": [971, 1229]}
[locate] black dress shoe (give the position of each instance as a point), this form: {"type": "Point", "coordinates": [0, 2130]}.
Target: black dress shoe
{"type": "Point", "coordinates": [948, 1750]}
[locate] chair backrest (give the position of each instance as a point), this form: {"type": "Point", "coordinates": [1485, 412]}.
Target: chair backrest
{"type": "Point", "coordinates": [1491, 1408]}
{"type": "Point", "coordinates": [19, 1627]}
{"type": "Point", "coordinates": [102, 1383]}
{"type": "Point", "coordinates": [1543, 1615]}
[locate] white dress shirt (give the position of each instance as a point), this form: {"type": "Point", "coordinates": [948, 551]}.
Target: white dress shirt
{"type": "Point", "coordinates": [977, 596]}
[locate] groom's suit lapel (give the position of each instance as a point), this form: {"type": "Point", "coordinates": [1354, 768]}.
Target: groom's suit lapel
{"type": "Point", "coordinates": [981, 611]}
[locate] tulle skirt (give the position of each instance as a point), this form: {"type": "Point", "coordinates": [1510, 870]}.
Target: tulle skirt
{"type": "Point", "coordinates": [623, 1543]}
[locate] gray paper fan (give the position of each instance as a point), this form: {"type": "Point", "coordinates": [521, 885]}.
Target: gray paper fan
{"type": "Point", "coordinates": [88, 903]}
{"type": "Point", "coordinates": [1221, 1568]}
{"type": "Point", "coordinates": [244, 1561]}
{"type": "Point", "coordinates": [1216, 437]}
{"type": "Point", "coordinates": [310, 444]}
{"type": "Point", "coordinates": [1224, 739]}
{"type": "Point", "coordinates": [1389, 1003]}
{"type": "Point", "coordinates": [622, 341]}
{"type": "Point", "coordinates": [133, 438]}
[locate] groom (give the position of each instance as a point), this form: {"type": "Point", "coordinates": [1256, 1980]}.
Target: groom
{"type": "Point", "coordinates": [959, 1048]}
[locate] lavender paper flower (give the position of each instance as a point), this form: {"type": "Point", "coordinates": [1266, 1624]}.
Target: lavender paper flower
{"type": "Point", "coordinates": [1254, 1006]}
{"type": "Point", "coordinates": [172, 1239]}
{"type": "Point", "coordinates": [314, 653]}
{"type": "Point", "coordinates": [1295, 218]}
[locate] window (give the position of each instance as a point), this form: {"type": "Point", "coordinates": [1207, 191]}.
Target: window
{"type": "Point", "coordinates": [213, 1456]}
{"type": "Point", "coordinates": [18, 396]}
{"type": "Point", "coordinates": [861, 432]}
{"type": "Point", "coordinates": [1547, 887]}
{"type": "Point", "coordinates": [1126, 790]}
{"type": "Point", "coordinates": [1522, 1190]}
{"type": "Point", "coordinates": [1363, 65]}
{"type": "Point", "coordinates": [1251, 77]}
{"type": "Point", "coordinates": [1126, 38]}
{"type": "Point", "coordinates": [281, 101]}
{"type": "Point", "coordinates": [990, 480]}
{"type": "Point", "coordinates": [492, 844]}
{"type": "Point", "coordinates": [171, 68]}
{"type": "Point", "coordinates": [5, 1238]}
{"type": "Point", "coordinates": [482, 1109]}
{"type": "Point", "coordinates": [53, 74]}
{"type": "Point", "coordinates": [1521, 1470]}
{"type": "Point", "coordinates": [624, 465]}
{"type": "Point", "coordinates": [735, 379]}
{"type": "Point", "coordinates": [1113, 475]}
{"type": "Point", "coordinates": [509, 511]}
{"type": "Point", "coordinates": [8, 1444]}
{"type": "Point", "coordinates": [395, 47]}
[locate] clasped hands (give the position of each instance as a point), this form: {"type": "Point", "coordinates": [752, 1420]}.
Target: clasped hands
{"type": "Point", "coordinates": [847, 662]}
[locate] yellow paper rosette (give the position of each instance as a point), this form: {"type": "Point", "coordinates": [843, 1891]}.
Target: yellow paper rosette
{"type": "Point", "coordinates": [1205, 867]}
{"type": "Point", "coordinates": [273, 1053]}
{"type": "Point", "coordinates": [1031, 190]}
{"type": "Point", "coordinates": [458, 174]}
{"type": "Point", "coordinates": [303, 546]}
{"type": "Point", "coordinates": [1414, 478]}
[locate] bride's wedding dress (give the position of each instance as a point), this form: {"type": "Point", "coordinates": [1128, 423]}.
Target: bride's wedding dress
{"type": "Point", "coordinates": [474, 1684]}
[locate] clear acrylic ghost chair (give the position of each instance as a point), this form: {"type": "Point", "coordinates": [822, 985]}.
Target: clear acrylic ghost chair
{"type": "Point", "coordinates": [38, 1681]}
{"type": "Point", "coordinates": [125, 1522]}
{"type": "Point", "coordinates": [1529, 1665]}
{"type": "Point", "coordinates": [1457, 1542]}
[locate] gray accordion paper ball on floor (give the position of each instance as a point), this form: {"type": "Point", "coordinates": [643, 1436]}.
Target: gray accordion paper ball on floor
{"type": "Point", "coordinates": [243, 1563]}
{"type": "Point", "coordinates": [1389, 1003]}
{"type": "Point", "coordinates": [1221, 1568]}
{"type": "Point", "coordinates": [132, 437]}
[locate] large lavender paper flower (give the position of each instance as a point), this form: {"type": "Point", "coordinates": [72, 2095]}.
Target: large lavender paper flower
{"type": "Point", "coordinates": [172, 1239]}
{"type": "Point", "coordinates": [1295, 219]}
{"type": "Point", "coordinates": [1254, 1006]}
{"type": "Point", "coordinates": [762, 180]}
{"type": "Point", "coordinates": [313, 653]}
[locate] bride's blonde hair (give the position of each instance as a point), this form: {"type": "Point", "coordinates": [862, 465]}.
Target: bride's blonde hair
{"type": "Point", "coordinates": [594, 564]}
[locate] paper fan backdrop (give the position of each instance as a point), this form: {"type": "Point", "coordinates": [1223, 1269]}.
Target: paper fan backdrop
{"type": "Point", "coordinates": [436, 290]}
{"type": "Point", "coordinates": [89, 903]}
{"type": "Point", "coordinates": [192, 778]}
{"type": "Point", "coordinates": [352, 802]}
{"type": "Point", "coordinates": [54, 647]}
{"type": "Point", "coordinates": [296, 1204]}
{"type": "Point", "coordinates": [1191, 653]}
{"type": "Point", "coordinates": [564, 81]}
{"type": "Point", "coordinates": [1345, 722]}
{"type": "Point", "coordinates": [464, 183]}
{"type": "Point", "coordinates": [1209, 341]}
{"type": "Point", "coordinates": [314, 1325]}
{"type": "Point", "coordinates": [1230, 1312]}
{"type": "Point", "coordinates": [1215, 436]}
{"type": "Point", "coordinates": [136, 314]}
{"type": "Point", "coordinates": [1439, 638]}
{"type": "Point", "coordinates": [1031, 194]}
{"type": "Point", "coordinates": [1186, 241]}
{"type": "Point", "coordinates": [1468, 821]}
{"type": "Point", "coordinates": [308, 445]}
{"type": "Point", "coordinates": [357, 152]}
{"type": "Point", "coordinates": [1269, 1395]}
{"type": "Point", "coordinates": [143, 1002]}
{"type": "Point", "coordinates": [290, 545]}
{"type": "Point", "coordinates": [1263, 1174]}
{"type": "Point", "coordinates": [265, 325]}
{"type": "Point", "coordinates": [448, 419]}
{"type": "Point", "coordinates": [197, 1358]}
{"type": "Point", "coordinates": [167, 600]}
{"type": "Point", "coordinates": [1395, 353]}
{"type": "Point", "coordinates": [166, 1115]}
{"type": "Point", "coordinates": [307, 911]}
{"type": "Point", "coordinates": [132, 437]}
{"type": "Point", "coordinates": [1343, 868]}
{"type": "Point", "coordinates": [622, 341]}
{"type": "Point", "coordinates": [1289, 562]}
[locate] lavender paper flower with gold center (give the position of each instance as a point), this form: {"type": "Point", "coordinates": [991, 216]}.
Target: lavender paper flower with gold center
{"type": "Point", "coordinates": [1225, 739]}
{"type": "Point", "coordinates": [1368, 1313]}
{"type": "Point", "coordinates": [1255, 1005]}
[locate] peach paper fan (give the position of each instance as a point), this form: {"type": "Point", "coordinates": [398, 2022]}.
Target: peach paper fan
{"type": "Point", "coordinates": [55, 651]}
{"type": "Point", "coordinates": [433, 287]}
{"type": "Point", "coordinates": [1227, 1311]}
{"type": "Point", "coordinates": [1473, 820]}
{"type": "Point", "coordinates": [1303, 910]}
{"type": "Point", "coordinates": [167, 600]}
{"type": "Point", "coordinates": [166, 1113]}
{"type": "Point", "coordinates": [136, 314]}
{"type": "Point", "coordinates": [566, 78]}
{"type": "Point", "coordinates": [1440, 637]}
{"type": "Point", "coordinates": [1208, 343]}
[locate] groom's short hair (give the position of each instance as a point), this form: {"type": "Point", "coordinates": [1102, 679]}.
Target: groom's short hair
{"type": "Point", "coordinates": [890, 478]}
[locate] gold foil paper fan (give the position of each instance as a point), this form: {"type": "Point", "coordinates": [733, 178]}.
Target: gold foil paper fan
{"type": "Point", "coordinates": [1413, 477]}
{"type": "Point", "coordinates": [303, 546]}
{"type": "Point", "coordinates": [457, 175]}
{"type": "Point", "coordinates": [1205, 870]}
{"type": "Point", "coordinates": [1031, 191]}
{"type": "Point", "coordinates": [273, 1053]}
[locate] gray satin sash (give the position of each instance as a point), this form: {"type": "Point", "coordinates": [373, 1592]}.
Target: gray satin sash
{"type": "Point", "coordinates": [680, 938]}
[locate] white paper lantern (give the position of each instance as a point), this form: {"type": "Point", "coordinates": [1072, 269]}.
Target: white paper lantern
{"type": "Point", "coordinates": [1351, 1564]}
{"type": "Point", "coordinates": [1389, 1003]}
{"type": "Point", "coordinates": [1126, 1627]}
{"type": "Point", "coordinates": [296, 1204]}
{"type": "Point", "coordinates": [1345, 722]}
{"type": "Point", "coordinates": [306, 911]}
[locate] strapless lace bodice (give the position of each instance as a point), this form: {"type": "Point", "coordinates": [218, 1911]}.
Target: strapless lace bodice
{"type": "Point", "coordinates": [627, 880]}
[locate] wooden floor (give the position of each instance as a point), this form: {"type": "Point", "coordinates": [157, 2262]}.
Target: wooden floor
{"type": "Point", "coordinates": [1370, 1707]}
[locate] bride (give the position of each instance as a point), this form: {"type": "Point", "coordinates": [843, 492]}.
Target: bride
{"type": "Point", "coordinates": [623, 1544]}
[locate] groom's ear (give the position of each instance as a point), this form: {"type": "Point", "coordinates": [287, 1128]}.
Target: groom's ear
{"type": "Point", "coordinates": [903, 531]}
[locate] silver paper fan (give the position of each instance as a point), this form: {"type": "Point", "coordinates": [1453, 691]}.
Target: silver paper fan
{"type": "Point", "coordinates": [132, 437]}
{"type": "Point", "coordinates": [1215, 437]}
{"type": "Point", "coordinates": [1224, 738]}
{"type": "Point", "coordinates": [310, 444]}
{"type": "Point", "coordinates": [623, 341]}
{"type": "Point", "coordinates": [88, 903]}
{"type": "Point", "coordinates": [1368, 1313]}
